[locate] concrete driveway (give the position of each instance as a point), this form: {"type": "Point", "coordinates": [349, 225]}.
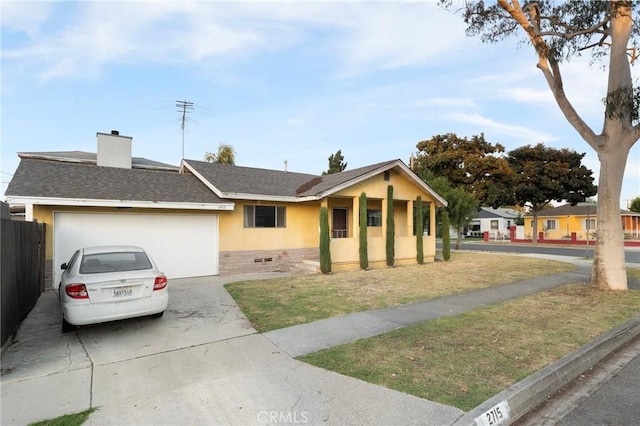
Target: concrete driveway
{"type": "Point", "coordinates": [202, 363]}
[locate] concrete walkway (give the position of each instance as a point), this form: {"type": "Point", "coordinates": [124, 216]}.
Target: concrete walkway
{"type": "Point", "coordinates": [203, 363]}
{"type": "Point", "coordinates": [312, 337]}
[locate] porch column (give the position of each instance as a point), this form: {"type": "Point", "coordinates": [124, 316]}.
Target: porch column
{"type": "Point", "coordinates": [355, 218]}
{"type": "Point", "coordinates": [432, 219]}
{"type": "Point", "coordinates": [409, 218]}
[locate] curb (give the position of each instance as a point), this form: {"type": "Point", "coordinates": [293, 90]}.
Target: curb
{"type": "Point", "coordinates": [517, 400]}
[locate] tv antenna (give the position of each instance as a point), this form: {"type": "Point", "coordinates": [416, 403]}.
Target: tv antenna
{"type": "Point", "coordinates": [184, 107]}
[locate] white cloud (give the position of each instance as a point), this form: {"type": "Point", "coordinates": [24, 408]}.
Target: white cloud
{"type": "Point", "coordinates": [19, 16]}
{"type": "Point", "coordinates": [359, 37]}
{"type": "Point", "coordinates": [526, 135]}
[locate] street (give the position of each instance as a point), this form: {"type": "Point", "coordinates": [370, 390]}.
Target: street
{"type": "Point", "coordinates": [632, 255]}
{"type": "Point", "coordinates": [608, 394]}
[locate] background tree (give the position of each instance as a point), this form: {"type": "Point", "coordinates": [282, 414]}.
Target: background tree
{"type": "Point", "coordinates": [336, 163]}
{"type": "Point", "coordinates": [462, 204]}
{"type": "Point", "coordinates": [225, 155]}
{"type": "Point", "coordinates": [559, 31]}
{"type": "Point", "coordinates": [364, 256]}
{"type": "Point", "coordinates": [419, 232]}
{"type": "Point", "coordinates": [473, 163]}
{"type": "Point", "coordinates": [391, 228]}
{"type": "Point", "coordinates": [635, 205]}
{"type": "Point", "coordinates": [544, 174]}
{"type": "Point", "coordinates": [462, 208]}
{"type": "Point", "coordinates": [325, 242]}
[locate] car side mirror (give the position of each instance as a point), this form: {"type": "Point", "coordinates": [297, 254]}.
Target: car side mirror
{"type": "Point", "coordinates": [63, 266]}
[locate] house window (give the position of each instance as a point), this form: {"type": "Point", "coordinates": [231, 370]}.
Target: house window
{"type": "Point", "coordinates": [551, 224]}
{"type": "Point", "coordinates": [264, 217]}
{"type": "Point", "coordinates": [374, 217]}
{"type": "Point", "coordinates": [386, 175]}
{"type": "Point", "coordinates": [339, 223]}
{"type": "Point", "coordinates": [589, 224]}
{"type": "Point", "coordinates": [494, 224]}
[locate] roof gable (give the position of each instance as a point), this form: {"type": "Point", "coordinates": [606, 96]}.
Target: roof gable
{"type": "Point", "coordinates": [238, 182]}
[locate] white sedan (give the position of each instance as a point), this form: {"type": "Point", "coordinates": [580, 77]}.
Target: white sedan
{"type": "Point", "coordinates": [110, 283]}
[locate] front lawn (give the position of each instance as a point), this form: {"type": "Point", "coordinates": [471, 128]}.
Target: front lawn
{"type": "Point", "coordinates": [464, 360]}
{"type": "Point", "coordinates": [282, 302]}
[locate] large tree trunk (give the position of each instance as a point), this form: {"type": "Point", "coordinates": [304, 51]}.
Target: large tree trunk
{"type": "Point", "coordinates": [534, 237]}
{"type": "Point", "coordinates": [609, 270]}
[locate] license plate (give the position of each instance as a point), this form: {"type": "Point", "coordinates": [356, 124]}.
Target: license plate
{"type": "Point", "coordinates": [122, 291]}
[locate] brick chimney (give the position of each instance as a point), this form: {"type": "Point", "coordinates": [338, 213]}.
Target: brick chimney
{"type": "Point", "coordinates": [114, 150]}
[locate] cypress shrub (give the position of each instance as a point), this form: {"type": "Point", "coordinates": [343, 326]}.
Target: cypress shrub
{"type": "Point", "coordinates": [364, 259]}
{"type": "Point", "coordinates": [391, 229]}
{"type": "Point", "coordinates": [325, 252]}
{"type": "Point", "coordinates": [419, 232]}
{"type": "Point", "coordinates": [446, 238]}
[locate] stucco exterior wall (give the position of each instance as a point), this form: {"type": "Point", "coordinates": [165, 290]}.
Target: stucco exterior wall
{"type": "Point", "coordinates": [302, 228]}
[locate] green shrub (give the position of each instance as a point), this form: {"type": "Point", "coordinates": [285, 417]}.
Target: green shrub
{"type": "Point", "coordinates": [419, 232]}
{"type": "Point", "coordinates": [325, 241]}
{"type": "Point", "coordinates": [446, 237]}
{"type": "Point", "coordinates": [364, 259]}
{"type": "Point", "coordinates": [391, 229]}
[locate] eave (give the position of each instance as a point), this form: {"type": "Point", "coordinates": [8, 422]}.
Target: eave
{"type": "Point", "coordinates": [50, 201]}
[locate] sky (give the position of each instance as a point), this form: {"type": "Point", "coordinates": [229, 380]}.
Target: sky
{"type": "Point", "coordinates": [279, 81]}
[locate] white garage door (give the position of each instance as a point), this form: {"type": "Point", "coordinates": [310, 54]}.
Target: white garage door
{"type": "Point", "coordinates": [181, 245]}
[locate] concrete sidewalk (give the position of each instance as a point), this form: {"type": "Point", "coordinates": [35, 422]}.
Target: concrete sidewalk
{"type": "Point", "coordinates": [311, 337]}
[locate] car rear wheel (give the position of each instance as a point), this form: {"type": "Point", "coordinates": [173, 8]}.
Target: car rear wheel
{"type": "Point", "coordinates": [158, 315]}
{"type": "Point", "coordinates": [66, 327]}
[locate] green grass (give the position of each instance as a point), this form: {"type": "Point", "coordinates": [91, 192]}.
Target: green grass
{"type": "Point", "coordinates": [75, 419]}
{"type": "Point", "coordinates": [282, 302]}
{"type": "Point", "coordinates": [464, 360]}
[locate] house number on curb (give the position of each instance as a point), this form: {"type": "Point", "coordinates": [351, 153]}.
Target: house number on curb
{"type": "Point", "coordinates": [496, 415]}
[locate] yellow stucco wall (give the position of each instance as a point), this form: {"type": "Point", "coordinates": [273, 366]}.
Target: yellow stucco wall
{"type": "Point", "coordinates": [301, 231]}
{"type": "Point", "coordinates": [564, 226]}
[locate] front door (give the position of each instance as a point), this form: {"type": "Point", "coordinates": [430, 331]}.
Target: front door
{"type": "Point", "coordinates": [339, 223]}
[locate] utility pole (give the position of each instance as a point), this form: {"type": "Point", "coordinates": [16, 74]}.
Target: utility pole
{"type": "Point", "coordinates": [184, 107]}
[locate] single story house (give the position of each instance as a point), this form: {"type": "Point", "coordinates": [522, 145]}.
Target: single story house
{"type": "Point", "coordinates": [495, 221]}
{"type": "Point", "coordinates": [560, 222]}
{"type": "Point", "coordinates": [210, 219]}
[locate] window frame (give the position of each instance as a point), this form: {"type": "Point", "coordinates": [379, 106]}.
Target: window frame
{"type": "Point", "coordinates": [249, 216]}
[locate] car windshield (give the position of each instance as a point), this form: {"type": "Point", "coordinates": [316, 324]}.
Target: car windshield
{"type": "Point", "coordinates": [114, 262]}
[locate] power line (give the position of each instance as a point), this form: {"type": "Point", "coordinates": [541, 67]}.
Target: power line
{"type": "Point", "coordinates": [184, 107]}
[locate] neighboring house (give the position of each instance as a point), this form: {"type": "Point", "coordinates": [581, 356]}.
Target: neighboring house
{"type": "Point", "coordinates": [560, 222]}
{"type": "Point", "coordinates": [209, 218]}
{"type": "Point", "coordinates": [495, 221]}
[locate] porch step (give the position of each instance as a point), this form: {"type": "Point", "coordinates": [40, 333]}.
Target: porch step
{"type": "Point", "coordinates": [310, 266]}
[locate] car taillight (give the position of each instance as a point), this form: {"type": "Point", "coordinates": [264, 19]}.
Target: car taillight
{"type": "Point", "coordinates": [160, 283]}
{"type": "Point", "coordinates": [77, 291]}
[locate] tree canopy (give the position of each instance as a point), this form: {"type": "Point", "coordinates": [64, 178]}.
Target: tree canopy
{"type": "Point", "coordinates": [543, 174]}
{"type": "Point", "coordinates": [474, 163]}
{"type": "Point", "coordinates": [225, 155]}
{"type": "Point", "coordinates": [635, 205]}
{"type": "Point", "coordinates": [559, 31]}
{"type": "Point", "coordinates": [336, 163]}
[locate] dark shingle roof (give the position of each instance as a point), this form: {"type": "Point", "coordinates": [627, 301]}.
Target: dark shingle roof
{"type": "Point", "coordinates": [248, 180]}
{"type": "Point", "coordinates": [91, 157]}
{"type": "Point", "coordinates": [57, 179]}
{"type": "Point", "coordinates": [489, 212]}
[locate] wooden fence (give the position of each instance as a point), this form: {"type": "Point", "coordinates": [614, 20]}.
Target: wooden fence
{"type": "Point", "coordinates": [22, 271]}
